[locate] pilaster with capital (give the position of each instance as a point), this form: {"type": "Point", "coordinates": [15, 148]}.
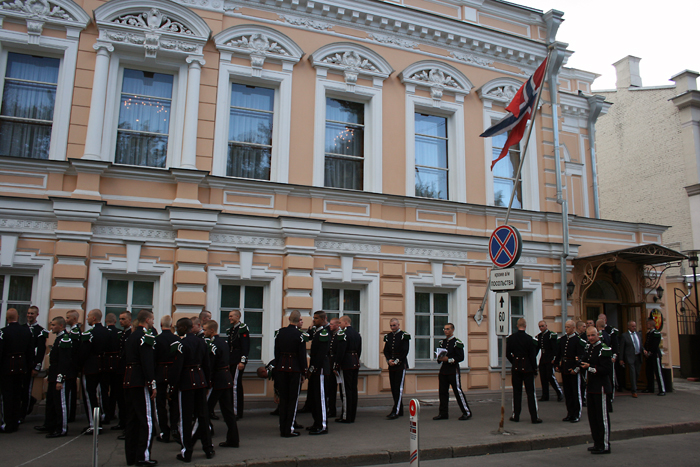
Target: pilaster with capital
{"type": "Point", "coordinates": [189, 138]}
{"type": "Point", "coordinates": [93, 140]}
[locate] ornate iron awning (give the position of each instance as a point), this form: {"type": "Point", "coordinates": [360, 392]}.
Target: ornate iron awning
{"type": "Point", "coordinates": [643, 255]}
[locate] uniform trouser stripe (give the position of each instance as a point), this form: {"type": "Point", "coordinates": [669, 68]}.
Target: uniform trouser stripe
{"type": "Point", "coordinates": [86, 397]}
{"type": "Point", "coordinates": [578, 392]}
{"type": "Point", "coordinates": [149, 419]}
{"type": "Point", "coordinates": [343, 395]}
{"type": "Point", "coordinates": [398, 402]}
{"type": "Point", "coordinates": [460, 394]}
{"type": "Point", "coordinates": [555, 383]}
{"type": "Point", "coordinates": [235, 392]}
{"type": "Point", "coordinates": [606, 427]}
{"type": "Point", "coordinates": [64, 411]}
{"type": "Point", "coordinates": [180, 424]}
{"type": "Point", "coordinates": [662, 387]}
{"type": "Point", "coordinates": [323, 399]}
{"type": "Point", "coordinates": [296, 404]}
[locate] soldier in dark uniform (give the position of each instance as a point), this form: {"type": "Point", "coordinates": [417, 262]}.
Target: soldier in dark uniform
{"type": "Point", "coordinates": [349, 353]}
{"type": "Point", "coordinates": [607, 339]}
{"type": "Point", "coordinates": [290, 368]}
{"type": "Point", "coordinates": [16, 362]}
{"type": "Point", "coordinates": [614, 345]}
{"type": "Point", "coordinates": [221, 383]}
{"type": "Point", "coordinates": [570, 349]}
{"type": "Point", "coordinates": [547, 345]}
{"type": "Point", "coordinates": [166, 376]}
{"type": "Point", "coordinates": [521, 351]}
{"type": "Point", "coordinates": [60, 370]}
{"type": "Point", "coordinates": [39, 336]}
{"type": "Point", "coordinates": [581, 327]}
{"type": "Point", "coordinates": [652, 352]}
{"type": "Point", "coordinates": [74, 331]}
{"type": "Point", "coordinates": [306, 408]}
{"type": "Point", "coordinates": [93, 348]}
{"type": "Point", "coordinates": [140, 391]}
{"type": "Point", "coordinates": [597, 362]}
{"type": "Point", "coordinates": [450, 374]}
{"type": "Point", "coordinates": [239, 345]}
{"type": "Point", "coordinates": [111, 368]}
{"type": "Point", "coordinates": [193, 383]}
{"type": "Point", "coordinates": [332, 376]}
{"type": "Point", "coordinates": [319, 367]}
{"type": "Point", "coordinates": [396, 346]}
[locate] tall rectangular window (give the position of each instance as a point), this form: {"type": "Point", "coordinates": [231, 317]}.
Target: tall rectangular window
{"type": "Point", "coordinates": [517, 311]}
{"type": "Point", "coordinates": [504, 173]}
{"type": "Point", "coordinates": [345, 137]}
{"type": "Point", "coordinates": [431, 156]}
{"type": "Point", "coordinates": [339, 302]}
{"type": "Point", "coordinates": [250, 132]}
{"type": "Point", "coordinates": [16, 293]}
{"type": "Point", "coordinates": [432, 314]}
{"type": "Point", "coordinates": [252, 298]}
{"type": "Point", "coordinates": [28, 99]}
{"type": "Point", "coordinates": [144, 118]}
{"type": "Point", "coordinates": [128, 295]}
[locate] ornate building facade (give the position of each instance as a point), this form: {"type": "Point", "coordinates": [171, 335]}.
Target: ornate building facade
{"type": "Point", "coordinates": [294, 154]}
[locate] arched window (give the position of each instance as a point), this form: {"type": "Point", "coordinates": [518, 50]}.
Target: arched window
{"type": "Point", "coordinates": [602, 290]}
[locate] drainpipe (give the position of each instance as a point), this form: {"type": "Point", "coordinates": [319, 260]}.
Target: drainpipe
{"type": "Point", "coordinates": [553, 18]}
{"type": "Point", "coordinates": [595, 105]}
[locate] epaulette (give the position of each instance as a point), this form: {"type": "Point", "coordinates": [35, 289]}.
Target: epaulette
{"type": "Point", "coordinates": [341, 335]}
{"type": "Point", "coordinates": [583, 343]}
{"type": "Point", "coordinates": [44, 333]}
{"type": "Point", "coordinates": [553, 335]}
{"type": "Point", "coordinates": [243, 328]}
{"type": "Point", "coordinates": [323, 335]}
{"type": "Point", "coordinates": [0, 334]}
{"type": "Point", "coordinates": [212, 346]}
{"type": "Point", "coordinates": [459, 344]}
{"type": "Point", "coordinates": [276, 333]}
{"type": "Point", "coordinates": [305, 337]}
{"type": "Point", "coordinates": [66, 342]}
{"type": "Point", "coordinates": [406, 336]}
{"type": "Point", "coordinates": [614, 331]}
{"type": "Point", "coordinates": [86, 336]}
{"type": "Point", "coordinates": [534, 339]}
{"type": "Point", "coordinates": [386, 337]}
{"type": "Point", "coordinates": [176, 347]}
{"type": "Point", "coordinates": [148, 339]}
{"type": "Point", "coordinates": [606, 351]}
{"type": "Point", "coordinates": [656, 331]}
{"type": "Point", "coordinates": [441, 342]}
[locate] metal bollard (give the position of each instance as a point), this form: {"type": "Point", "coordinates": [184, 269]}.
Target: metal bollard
{"type": "Point", "coordinates": [95, 433]}
{"type": "Point", "coordinates": [414, 446]}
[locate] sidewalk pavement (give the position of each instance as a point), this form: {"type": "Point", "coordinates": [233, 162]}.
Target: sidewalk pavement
{"type": "Point", "coordinates": [375, 440]}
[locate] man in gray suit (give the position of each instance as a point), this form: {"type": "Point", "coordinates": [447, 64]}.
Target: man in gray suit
{"type": "Point", "coordinates": [631, 352]}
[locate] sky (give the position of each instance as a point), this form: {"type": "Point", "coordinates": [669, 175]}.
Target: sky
{"type": "Point", "coordinates": [601, 32]}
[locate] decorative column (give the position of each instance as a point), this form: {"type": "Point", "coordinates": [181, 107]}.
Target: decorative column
{"type": "Point", "coordinates": [93, 141]}
{"type": "Point", "coordinates": [189, 138]}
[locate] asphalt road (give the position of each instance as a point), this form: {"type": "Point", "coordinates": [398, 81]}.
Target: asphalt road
{"type": "Point", "coordinates": [669, 450]}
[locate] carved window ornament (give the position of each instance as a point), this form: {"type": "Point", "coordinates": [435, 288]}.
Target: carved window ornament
{"type": "Point", "coordinates": [155, 26]}
{"type": "Point", "coordinates": [353, 61]}
{"type": "Point", "coordinates": [36, 13]}
{"type": "Point", "coordinates": [499, 90]}
{"type": "Point", "coordinates": [259, 44]}
{"type": "Point", "coordinates": [438, 78]}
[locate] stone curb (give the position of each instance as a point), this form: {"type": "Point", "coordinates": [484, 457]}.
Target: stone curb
{"type": "Point", "coordinates": [394, 457]}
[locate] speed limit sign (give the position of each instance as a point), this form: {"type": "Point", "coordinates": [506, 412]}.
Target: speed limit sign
{"type": "Point", "coordinates": [502, 314]}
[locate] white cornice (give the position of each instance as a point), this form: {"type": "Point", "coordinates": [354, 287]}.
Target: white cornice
{"type": "Point", "coordinates": [470, 43]}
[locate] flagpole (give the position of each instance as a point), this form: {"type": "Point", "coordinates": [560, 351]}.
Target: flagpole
{"type": "Point", "coordinates": [523, 152]}
{"type": "Point", "coordinates": [550, 49]}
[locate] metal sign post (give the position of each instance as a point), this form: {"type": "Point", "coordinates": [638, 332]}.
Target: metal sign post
{"type": "Point", "coordinates": [414, 453]}
{"type": "Point", "coordinates": [503, 329]}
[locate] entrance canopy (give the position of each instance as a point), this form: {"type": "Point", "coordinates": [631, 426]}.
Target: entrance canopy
{"type": "Point", "coordinates": [644, 254]}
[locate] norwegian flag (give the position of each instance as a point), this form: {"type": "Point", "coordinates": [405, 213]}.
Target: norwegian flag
{"type": "Point", "coordinates": [519, 111]}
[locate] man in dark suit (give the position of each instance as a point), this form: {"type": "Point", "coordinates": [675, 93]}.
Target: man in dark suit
{"type": "Point", "coordinates": [290, 361]}
{"type": "Point", "coordinates": [39, 336]}
{"type": "Point", "coordinates": [221, 382]}
{"type": "Point", "coordinates": [16, 361]}
{"type": "Point", "coordinates": [450, 374]}
{"type": "Point", "coordinates": [166, 374]}
{"type": "Point", "coordinates": [597, 362]}
{"type": "Point", "coordinates": [547, 344]}
{"type": "Point", "coordinates": [570, 349]}
{"type": "Point", "coordinates": [631, 351]}
{"type": "Point", "coordinates": [349, 353]}
{"type": "Point", "coordinates": [396, 346]}
{"type": "Point", "coordinates": [93, 348]}
{"type": "Point", "coordinates": [521, 351]}
{"type": "Point", "coordinates": [319, 367]}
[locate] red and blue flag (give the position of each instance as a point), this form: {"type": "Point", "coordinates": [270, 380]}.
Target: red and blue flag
{"type": "Point", "coordinates": [519, 111]}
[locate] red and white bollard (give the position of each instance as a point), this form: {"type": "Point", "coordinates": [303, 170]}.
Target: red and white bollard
{"type": "Point", "coordinates": [414, 450]}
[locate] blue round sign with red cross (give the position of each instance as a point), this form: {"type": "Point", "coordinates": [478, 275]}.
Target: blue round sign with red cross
{"type": "Point", "coordinates": [505, 246]}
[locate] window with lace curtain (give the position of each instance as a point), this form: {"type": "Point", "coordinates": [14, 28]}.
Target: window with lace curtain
{"type": "Point", "coordinates": [504, 181]}
{"type": "Point", "coordinates": [144, 118]}
{"type": "Point", "coordinates": [250, 132]}
{"type": "Point", "coordinates": [344, 154]}
{"type": "Point", "coordinates": [16, 292]}
{"type": "Point", "coordinates": [431, 156]}
{"type": "Point", "coordinates": [28, 98]}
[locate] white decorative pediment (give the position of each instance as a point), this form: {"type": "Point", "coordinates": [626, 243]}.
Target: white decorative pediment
{"type": "Point", "coordinates": [259, 44]}
{"type": "Point", "coordinates": [156, 25]}
{"type": "Point", "coordinates": [37, 13]}
{"type": "Point", "coordinates": [353, 61]}
{"type": "Point", "coordinates": [500, 90]}
{"type": "Point", "coordinates": [438, 77]}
